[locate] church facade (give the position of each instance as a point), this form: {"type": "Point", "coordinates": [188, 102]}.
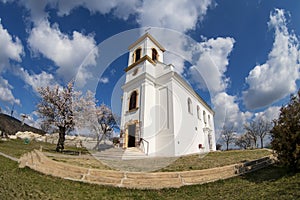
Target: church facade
{"type": "Point", "coordinates": [161, 114]}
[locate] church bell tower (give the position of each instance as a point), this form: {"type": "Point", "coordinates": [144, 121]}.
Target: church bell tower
{"type": "Point", "coordinates": [139, 91]}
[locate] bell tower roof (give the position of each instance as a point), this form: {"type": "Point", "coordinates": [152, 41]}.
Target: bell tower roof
{"type": "Point", "coordinates": [147, 35]}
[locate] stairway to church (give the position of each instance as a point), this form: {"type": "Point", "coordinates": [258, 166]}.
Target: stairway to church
{"type": "Point", "coordinates": [131, 159]}
{"type": "Point", "coordinates": [133, 153]}
{"type": "Point", "coordinates": [120, 154]}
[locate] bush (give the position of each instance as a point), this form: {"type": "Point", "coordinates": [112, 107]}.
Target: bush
{"type": "Point", "coordinates": [286, 134]}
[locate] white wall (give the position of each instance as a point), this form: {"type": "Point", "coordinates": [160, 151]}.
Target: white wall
{"type": "Point", "coordinates": [188, 128]}
{"type": "Point", "coordinates": [163, 110]}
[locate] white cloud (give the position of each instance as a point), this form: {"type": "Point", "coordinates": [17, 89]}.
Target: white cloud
{"type": "Point", "coordinates": [119, 8]}
{"type": "Point", "coordinates": [211, 63]}
{"type": "Point", "coordinates": [181, 15]}
{"type": "Point", "coordinates": [228, 112]}
{"type": "Point", "coordinates": [6, 92]}
{"type": "Point", "coordinates": [269, 114]}
{"type": "Point", "coordinates": [104, 80]}
{"type": "Point", "coordinates": [276, 78]}
{"type": "Point", "coordinates": [68, 53]}
{"type": "Point", "coordinates": [36, 8]}
{"type": "Point", "coordinates": [35, 80]}
{"type": "Point", "coordinates": [10, 48]}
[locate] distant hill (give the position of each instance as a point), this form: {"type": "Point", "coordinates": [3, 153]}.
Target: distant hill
{"type": "Point", "coordinates": [11, 125]}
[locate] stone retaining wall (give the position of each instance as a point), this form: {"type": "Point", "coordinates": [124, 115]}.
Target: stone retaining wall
{"type": "Point", "coordinates": [38, 161]}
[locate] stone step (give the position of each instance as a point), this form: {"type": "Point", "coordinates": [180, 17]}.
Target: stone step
{"type": "Point", "coordinates": [38, 161]}
{"type": "Point", "coordinates": [120, 154]}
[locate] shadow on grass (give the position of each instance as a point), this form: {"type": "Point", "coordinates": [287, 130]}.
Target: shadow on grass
{"type": "Point", "coordinates": [268, 174]}
{"type": "Point", "coordinates": [68, 151]}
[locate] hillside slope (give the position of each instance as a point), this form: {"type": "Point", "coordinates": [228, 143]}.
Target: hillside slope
{"type": "Point", "coordinates": [11, 125]}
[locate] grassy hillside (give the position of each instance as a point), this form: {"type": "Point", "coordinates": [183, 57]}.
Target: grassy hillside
{"type": "Point", "coordinates": [192, 162]}
{"type": "Point", "coordinates": [269, 183]}
{"type": "Point", "coordinates": [11, 125]}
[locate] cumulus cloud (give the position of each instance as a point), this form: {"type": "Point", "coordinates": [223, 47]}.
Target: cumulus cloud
{"type": "Point", "coordinates": [211, 63]}
{"type": "Point", "coordinates": [6, 94]}
{"type": "Point", "coordinates": [276, 78]}
{"type": "Point", "coordinates": [119, 8]}
{"type": "Point", "coordinates": [67, 52]}
{"type": "Point", "coordinates": [34, 80]}
{"type": "Point", "coordinates": [104, 80]}
{"type": "Point", "coordinates": [269, 114]}
{"type": "Point", "coordinates": [228, 112]}
{"type": "Point", "coordinates": [11, 48]}
{"type": "Point", "coordinates": [180, 15]}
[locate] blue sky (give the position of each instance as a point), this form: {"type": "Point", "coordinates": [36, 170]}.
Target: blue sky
{"type": "Point", "coordinates": [241, 56]}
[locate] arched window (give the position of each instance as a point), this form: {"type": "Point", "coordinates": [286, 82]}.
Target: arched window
{"type": "Point", "coordinates": [137, 54]}
{"type": "Point", "coordinates": [208, 119]}
{"type": "Point", "coordinates": [132, 101]}
{"type": "Point", "coordinates": [198, 112]}
{"type": "Point", "coordinates": [154, 54]}
{"type": "Point", "coordinates": [190, 106]}
{"type": "Point", "coordinates": [204, 116]}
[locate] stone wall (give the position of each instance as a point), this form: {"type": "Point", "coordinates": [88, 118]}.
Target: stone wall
{"type": "Point", "coordinates": [38, 161]}
{"type": "Point", "coordinates": [77, 141]}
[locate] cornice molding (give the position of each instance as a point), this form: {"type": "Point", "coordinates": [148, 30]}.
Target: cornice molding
{"type": "Point", "coordinates": [146, 57]}
{"type": "Point", "coordinates": [147, 35]}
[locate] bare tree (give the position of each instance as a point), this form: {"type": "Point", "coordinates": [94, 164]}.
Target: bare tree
{"type": "Point", "coordinates": [258, 129]}
{"type": "Point", "coordinates": [244, 141]}
{"type": "Point", "coordinates": [55, 108]}
{"type": "Point", "coordinates": [228, 135]}
{"type": "Point", "coordinates": [251, 131]}
{"type": "Point", "coordinates": [263, 129]}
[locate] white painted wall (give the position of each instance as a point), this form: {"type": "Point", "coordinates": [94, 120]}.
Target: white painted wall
{"type": "Point", "coordinates": [163, 110]}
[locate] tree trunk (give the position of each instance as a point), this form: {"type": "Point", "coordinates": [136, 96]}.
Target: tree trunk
{"type": "Point", "coordinates": [61, 139]}
{"type": "Point", "coordinates": [261, 142]}
{"type": "Point", "coordinates": [97, 147]}
{"type": "Point", "coordinates": [254, 141]}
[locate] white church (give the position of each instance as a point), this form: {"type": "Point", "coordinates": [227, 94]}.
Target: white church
{"type": "Point", "coordinates": [161, 113]}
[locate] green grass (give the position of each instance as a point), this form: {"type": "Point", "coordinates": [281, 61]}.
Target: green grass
{"type": "Point", "coordinates": [17, 148]}
{"type": "Point", "coordinates": [215, 159]}
{"type": "Point", "coordinates": [270, 183]}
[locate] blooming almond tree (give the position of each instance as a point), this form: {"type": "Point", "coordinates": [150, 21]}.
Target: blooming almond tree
{"type": "Point", "coordinates": [107, 122]}
{"type": "Point", "coordinates": [98, 119]}
{"type": "Point", "coordinates": [55, 108]}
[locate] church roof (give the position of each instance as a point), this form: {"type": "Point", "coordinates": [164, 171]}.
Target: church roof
{"type": "Point", "coordinates": [147, 35]}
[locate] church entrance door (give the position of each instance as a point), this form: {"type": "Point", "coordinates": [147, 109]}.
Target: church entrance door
{"type": "Point", "coordinates": [131, 135]}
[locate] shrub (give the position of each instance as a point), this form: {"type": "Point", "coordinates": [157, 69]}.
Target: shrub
{"type": "Point", "coordinates": [286, 134]}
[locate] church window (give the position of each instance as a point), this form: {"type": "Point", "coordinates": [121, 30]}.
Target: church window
{"type": "Point", "coordinates": [198, 112]}
{"type": "Point", "coordinates": [190, 106]}
{"type": "Point", "coordinates": [154, 54]}
{"type": "Point", "coordinates": [137, 54]}
{"type": "Point", "coordinates": [208, 119]}
{"type": "Point", "coordinates": [133, 100]}
{"type": "Point", "coordinates": [204, 116]}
